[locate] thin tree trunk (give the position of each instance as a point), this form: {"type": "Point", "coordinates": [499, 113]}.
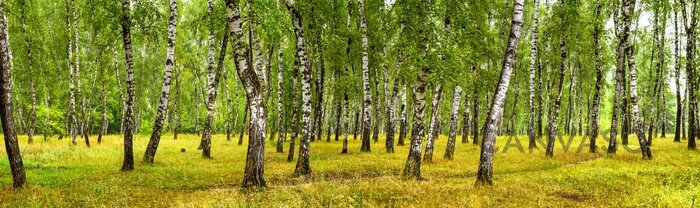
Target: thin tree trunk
{"type": "Point", "coordinates": [129, 114]}
{"type": "Point", "coordinates": [149, 155]}
{"type": "Point", "coordinates": [390, 124]}
{"type": "Point", "coordinates": [229, 112]}
{"type": "Point", "coordinates": [346, 122]}
{"type": "Point", "coordinates": [690, 24]}
{"type": "Point", "coordinates": [71, 83]}
{"type": "Point", "coordinates": [599, 80]}
{"type": "Point", "coordinates": [485, 173]}
{"type": "Point", "coordinates": [475, 119]}
{"type": "Point", "coordinates": [320, 109]}
{"type": "Point", "coordinates": [280, 98]}
{"type": "Point", "coordinates": [465, 121]}
{"type": "Point", "coordinates": [533, 58]}
{"type": "Point", "coordinates": [552, 120]}
{"type": "Point", "coordinates": [213, 76]}
{"type": "Point", "coordinates": [76, 54]}
{"type": "Point", "coordinates": [32, 91]}
{"type": "Point", "coordinates": [677, 67]}
{"type": "Point", "coordinates": [105, 123]}
{"type": "Point", "coordinates": [450, 149]}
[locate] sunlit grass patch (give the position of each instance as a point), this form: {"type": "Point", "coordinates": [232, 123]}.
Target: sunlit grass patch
{"type": "Point", "coordinates": [63, 175]}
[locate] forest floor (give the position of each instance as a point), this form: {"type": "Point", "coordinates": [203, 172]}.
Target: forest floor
{"type": "Point", "coordinates": [62, 175]}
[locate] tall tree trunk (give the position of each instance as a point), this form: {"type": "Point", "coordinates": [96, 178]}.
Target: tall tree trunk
{"type": "Point", "coordinates": [618, 109]}
{"type": "Point", "coordinates": [367, 96]}
{"type": "Point", "coordinates": [677, 67]}
{"type": "Point", "coordinates": [485, 173]}
{"type": "Point", "coordinates": [690, 24]}
{"type": "Point", "coordinates": [30, 63]}
{"type": "Point", "coordinates": [450, 150]}
{"type": "Point", "coordinates": [429, 144]}
{"type": "Point", "coordinates": [302, 167]}
{"type": "Point", "coordinates": [129, 114]}
{"type": "Point", "coordinates": [254, 81]}
{"type": "Point", "coordinates": [280, 98]}
{"type": "Point", "coordinates": [533, 58]}
{"type": "Point", "coordinates": [213, 76]}
{"type": "Point", "coordinates": [628, 7]}
{"type": "Point", "coordinates": [149, 155]}
{"type": "Point", "coordinates": [11, 144]}
{"type": "Point", "coordinates": [71, 83]}
{"type": "Point", "coordinates": [552, 120]}
{"type": "Point", "coordinates": [76, 57]}
{"type": "Point", "coordinates": [595, 111]}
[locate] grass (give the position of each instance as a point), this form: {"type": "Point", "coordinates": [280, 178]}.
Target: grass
{"type": "Point", "coordinates": [62, 175]}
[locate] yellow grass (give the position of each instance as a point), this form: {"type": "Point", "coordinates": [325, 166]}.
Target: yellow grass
{"type": "Point", "coordinates": [63, 175]}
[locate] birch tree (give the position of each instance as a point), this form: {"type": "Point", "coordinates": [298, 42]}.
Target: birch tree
{"type": "Point", "coordinates": [30, 64]}
{"type": "Point", "coordinates": [128, 163]}
{"type": "Point", "coordinates": [485, 173]}
{"type": "Point", "coordinates": [628, 7]}
{"type": "Point", "coordinates": [450, 149]}
{"type": "Point", "coordinates": [677, 76]}
{"type": "Point", "coordinates": [302, 167]}
{"type": "Point", "coordinates": [690, 24]}
{"type": "Point", "coordinates": [14, 155]}
{"type": "Point", "coordinates": [213, 77]}
{"type": "Point", "coordinates": [595, 110]}
{"type": "Point", "coordinates": [280, 97]}
{"type": "Point", "coordinates": [367, 96]}
{"type": "Point", "coordinates": [533, 58]}
{"type": "Point", "coordinates": [554, 112]}
{"type": "Point", "coordinates": [71, 83]}
{"type": "Point", "coordinates": [150, 153]}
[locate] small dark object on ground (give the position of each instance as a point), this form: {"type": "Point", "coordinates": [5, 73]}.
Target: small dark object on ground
{"type": "Point", "coordinates": [183, 149]}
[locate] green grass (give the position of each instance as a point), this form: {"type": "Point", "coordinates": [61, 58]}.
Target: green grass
{"type": "Point", "coordinates": [62, 175]}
